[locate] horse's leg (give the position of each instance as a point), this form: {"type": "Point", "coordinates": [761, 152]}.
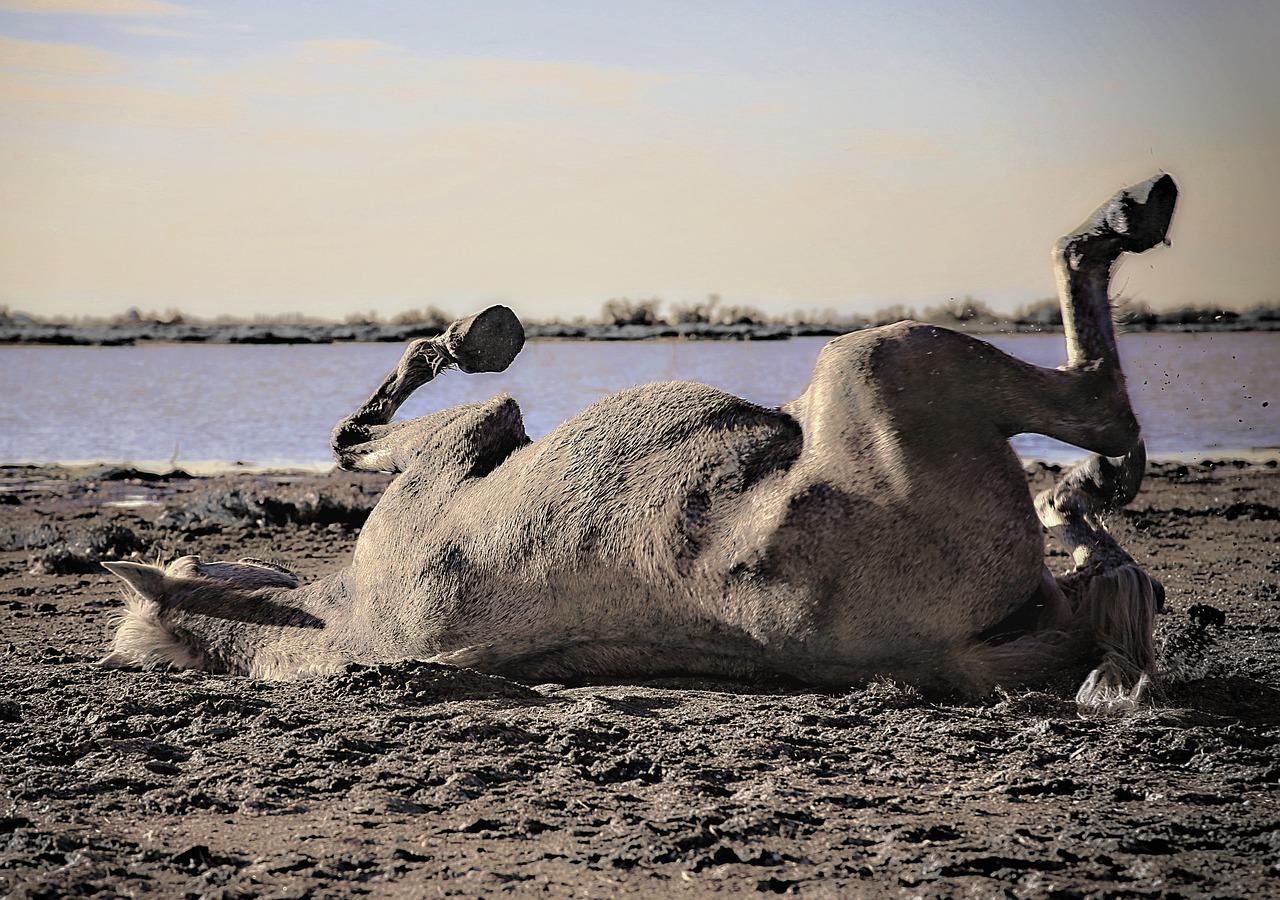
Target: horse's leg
{"type": "Point", "coordinates": [1113, 598]}
{"type": "Point", "coordinates": [367, 440]}
{"type": "Point", "coordinates": [253, 618]}
{"type": "Point", "coordinates": [1132, 221]}
{"type": "Point", "coordinates": [1084, 403]}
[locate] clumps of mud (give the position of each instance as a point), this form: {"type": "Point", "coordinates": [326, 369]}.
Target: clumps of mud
{"type": "Point", "coordinates": [130, 473]}
{"type": "Point", "coordinates": [28, 536]}
{"type": "Point", "coordinates": [218, 507]}
{"type": "Point", "coordinates": [423, 683]}
{"type": "Point", "coordinates": [71, 551]}
{"type": "Point", "coordinates": [1257, 512]}
{"type": "Point", "coordinates": [1266, 592]}
{"type": "Point", "coordinates": [1187, 648]}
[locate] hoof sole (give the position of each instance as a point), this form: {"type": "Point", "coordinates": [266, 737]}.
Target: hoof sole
{"type": "Point", "coordinates": [485, 342]}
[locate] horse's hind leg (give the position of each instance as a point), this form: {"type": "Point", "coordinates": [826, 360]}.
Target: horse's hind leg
{"type": "Point", "coordinates": [1113, 598]}
{"type": "Point", "coordinates": [1086, 403]}
{"type": "Point", "coordinates": [367, 440]}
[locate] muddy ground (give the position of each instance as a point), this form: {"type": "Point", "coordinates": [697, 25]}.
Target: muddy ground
{"type": "Point", "coordinates": [412, 780]}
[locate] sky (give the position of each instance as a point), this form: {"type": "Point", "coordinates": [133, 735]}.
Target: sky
{"type": "Point", "coordinates": [328, 158]}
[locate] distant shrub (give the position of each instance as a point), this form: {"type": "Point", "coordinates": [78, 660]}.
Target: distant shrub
{"type": "Point", "coordinates": [1134, 313]}
{"type": "Point", "coordinates": [695, 313]}
{"type": "Point", "coordinates": [713, 311]}
{"type": "Point", "coordinates": [895, 312]}
{"type": "Point", "coordinates": [825, 316]}
{"type": "Point", "coordinates": [963, 311]}
{"type": "Point", "coordinates": [1040, 312]}
{"type": "Point", "coordinates": [742, 315]}
{"type": "Point", "coordinates": [432, 317]}
{"type": "Point", "coordinates": [1198, 315]}
{"type": "Point", "coordinates": [622, 311]}
{"type": "Point", "coordinates": [1262, 314]}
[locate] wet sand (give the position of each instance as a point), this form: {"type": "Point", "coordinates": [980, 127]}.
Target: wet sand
{"type": "Point", "coordinates": [413, 780]}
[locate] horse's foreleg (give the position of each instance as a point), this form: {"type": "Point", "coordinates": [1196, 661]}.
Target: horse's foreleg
{"type": "Point", "coordinates": [368, 441]}
{"type": "Point", "coordinates": [1113, 600]}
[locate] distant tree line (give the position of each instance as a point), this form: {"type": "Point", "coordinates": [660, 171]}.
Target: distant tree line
{"type": "Point", "coordinates": [962, 313]}
{"type": "Point", "coordinates": [714, 311]}
{"type": "Point", "coordinates": [428, 316]}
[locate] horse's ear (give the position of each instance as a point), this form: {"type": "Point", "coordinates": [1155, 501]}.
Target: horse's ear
{"type": "Point", "coordinates": [147, 580]}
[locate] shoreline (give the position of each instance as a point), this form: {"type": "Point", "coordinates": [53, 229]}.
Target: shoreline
{"type": "Point", "coordinates": [128, 334]}
{"type": "Point", "coordinates": [164, 470]}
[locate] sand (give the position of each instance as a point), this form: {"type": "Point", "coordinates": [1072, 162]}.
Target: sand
{"type": "Point", "coordinates": [411, 780]}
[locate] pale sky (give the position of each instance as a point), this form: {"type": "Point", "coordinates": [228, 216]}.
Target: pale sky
{"type": "Point", "coordinates": [329, 157]}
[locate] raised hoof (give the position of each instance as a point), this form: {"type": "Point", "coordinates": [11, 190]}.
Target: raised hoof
{"type": "Point", "coordinates": [485, 342]}
{"type": "Point", "coordinates": [1135, 219]}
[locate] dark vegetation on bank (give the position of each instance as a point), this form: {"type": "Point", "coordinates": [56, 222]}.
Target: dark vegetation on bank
{"type": "Point", "coordinates": [619, 319]}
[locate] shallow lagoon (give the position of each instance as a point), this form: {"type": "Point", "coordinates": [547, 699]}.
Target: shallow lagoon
{"type": "Point", "coordinates": [195, 405]}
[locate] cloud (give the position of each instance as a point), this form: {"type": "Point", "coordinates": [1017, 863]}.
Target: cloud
{"type": "Point", "coordinates": [66, 84]}
{"type": "Point", "coordinates": [345, 48]}
{"type": "Point", "coordinates": [59, 59]}
{"type": "Point", "coordinates": [570, 83]}
{"type": "Point", "coordinates": [152, 31]}
{"type": "Point", "coordinates": [378, 72]}
{"type": "Point", "coordinates": [893, 143]}
{"type": "Point", "coordinates": [112, 106]}
{"type": "Point", "coordinates": [299, 138]}
{"type": "Point", "coordinates": [94, 7]}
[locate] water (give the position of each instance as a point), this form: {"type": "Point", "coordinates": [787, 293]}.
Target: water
{"type": "Point", "coordinates": [1196, 394]}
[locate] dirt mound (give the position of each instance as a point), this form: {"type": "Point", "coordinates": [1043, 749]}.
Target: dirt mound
{"type": "Point", "coordinates": [70, 550]}
{"type": "Point", "coordinates": [219, 506]}
{"type": "Point", "coordinates": [420, 682]}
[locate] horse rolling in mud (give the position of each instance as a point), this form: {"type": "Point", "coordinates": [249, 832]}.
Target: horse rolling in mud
{"type": "Point", "coordinates": [878, 525]}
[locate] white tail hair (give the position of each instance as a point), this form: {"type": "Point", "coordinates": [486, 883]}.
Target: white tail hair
{"type": "Point", "coordinates": [1119, 607]}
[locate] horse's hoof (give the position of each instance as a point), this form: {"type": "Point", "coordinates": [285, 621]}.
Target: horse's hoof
{"type": "Point", "coordinates": [485, 342]}
{"type": "Point", "coordinates": [1134, 220]}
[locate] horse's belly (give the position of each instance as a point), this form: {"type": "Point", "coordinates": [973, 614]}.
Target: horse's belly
{"type": "Point", "coordinates": [867, 575]}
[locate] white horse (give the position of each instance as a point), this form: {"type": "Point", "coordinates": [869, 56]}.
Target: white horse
{"type": "Point", "coordinates": [878, 525]}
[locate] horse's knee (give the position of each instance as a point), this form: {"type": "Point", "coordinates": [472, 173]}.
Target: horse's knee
{"type": "Point", "coordinates": [492, 432]}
